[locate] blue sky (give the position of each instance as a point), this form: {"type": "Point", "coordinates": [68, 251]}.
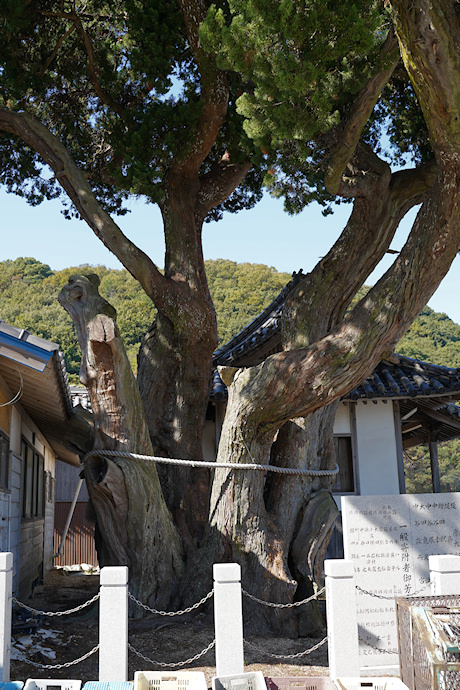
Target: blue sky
{"type": "Point", "coordinates": [265, 234]}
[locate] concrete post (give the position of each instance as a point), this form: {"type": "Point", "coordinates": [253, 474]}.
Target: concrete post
{"type": "Point", "coordinates": [113, 624]}
{"type": "Point", "coordinates": [6, 594]}
{"type": "Point", "coordinates": [444, 574]}
{"type": "Point", "coordinates": [228, 619]}
{"type": "Point", "coordinates": [342, 621]}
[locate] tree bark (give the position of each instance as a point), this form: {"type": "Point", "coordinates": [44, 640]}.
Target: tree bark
{"type": "Point", "coordinates": [175, 359]}
{"type": "Point", "coordinates": [133, 525]}
{"type": "Point", "coordinates": [328, 354]}
{"type": "Point", "coordinates": [175, 356]}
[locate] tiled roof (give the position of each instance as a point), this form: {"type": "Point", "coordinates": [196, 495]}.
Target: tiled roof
{"type": "Point", "coordinates": [401, 378]}
{"type": "Point", "coordinates": [406, 377]}
{"type": "Point", "coordinates": [260, 333]}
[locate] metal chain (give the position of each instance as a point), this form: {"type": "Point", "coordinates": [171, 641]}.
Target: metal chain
{"type": "Point", "coordinates": [66, 665]}
{"type": "Point", "coordinates": [213, 465]}
{"type": "Point", "coordinates": [56, 613]}
{"type": "Point", "coordinates": [380, 651]}
{"type": "Point", "coordinates": [172, 665]}
{"type": "Point", "coordinates": [172, 613]}
{"type": "Point", "coordinates": [282, 606]}
{"type": "Point", "coordinates": [288, 656]}
{"type": "Point", "coordinates": [380, 596]}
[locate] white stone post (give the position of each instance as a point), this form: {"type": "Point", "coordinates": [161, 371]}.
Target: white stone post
{"type": "Point", "coordinates": [228, 619]}
{"type": "Point", "coordinates": [444, 574]}
{"type": "Point", "coordinates": [342, 621]}
{"type": "Point", "coordinates": [6, 594]}
{"type": "Point", "coordinates": [113, 624]}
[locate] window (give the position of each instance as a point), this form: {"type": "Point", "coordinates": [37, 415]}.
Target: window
{"type": "Point", "coordinates": [4, 460]}
{"type": "Point", "coordinates": [33, 493]}
{"type": "Point", "coordinates": [345, 480]}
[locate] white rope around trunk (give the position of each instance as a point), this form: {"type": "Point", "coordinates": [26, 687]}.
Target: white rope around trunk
{"type": "Point", "coordinates": [214, 465]}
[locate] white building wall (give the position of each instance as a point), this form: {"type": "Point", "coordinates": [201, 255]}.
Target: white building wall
{"type": "Point", "coordinates": [342, 423]}
{"type": "Point", "coordinates": [376, 449]}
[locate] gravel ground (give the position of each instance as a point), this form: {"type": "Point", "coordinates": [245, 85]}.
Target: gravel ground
{"type": "Point", "coordinates": [64, 639]}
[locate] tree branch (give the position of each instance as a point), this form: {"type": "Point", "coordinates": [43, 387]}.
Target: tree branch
{"type": "Point", "coordinates": [105, 98]}
{"type": "Point", "coordinates": [319, 302]}
{"type": "Point", "coordinates": [214, 89]}
{"type": "Point", "coordinates": [92, 67]}
{"type": "Point", "coordinates": [56, 49]}
{"type": "Point", "coordinates": [75, 184]}
{"type": "Point", "coordinates": [349, 133]}
{"type": "Point", "coordinates": [218, 184]}
{"type": "Point", "coordinates": [429, 37]}
{"type": "Point", "coordinates": [302, 381]}
{"type": "Point", "coordinates": [409, 187]}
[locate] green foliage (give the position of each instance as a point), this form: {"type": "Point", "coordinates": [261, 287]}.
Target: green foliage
{"type": "Point", "coordinates": [26, 269]}
{"type": "Point", "coordinates": [303, 58]}
{"type": "Point", "coordinates": [302, 63]}
{"type": "Point", "coordinates": [418, 472]}
{"type": "Point", "coordinates": [240, 292]}
{"type": "Point", "coordinates": [29, 289]}
{"type": "Point", "coordinates": [433, 337]}
{"type": "Point", "coordinates": [116, 81]}
{"type": "Point", "coordinates": [399, 112]}
{"type": "Point", "coordinates": [28, 299]}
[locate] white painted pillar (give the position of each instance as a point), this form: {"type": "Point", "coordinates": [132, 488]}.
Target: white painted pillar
{"type": "Point", "coordinates": [113, 624]}
{"type": "Point", "coordinates": [228, 619]}
{"type": "Point", "coordinates": [6, 594]}
{"type": "Point", "coordinates": [444, 574]}
{"type": "Point", "coordinates": [342, 621]}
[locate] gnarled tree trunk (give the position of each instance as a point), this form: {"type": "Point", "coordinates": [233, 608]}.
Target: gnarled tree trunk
{"type": "Point", "coordinates": [326, 353]}
{"type": "Point", "coordinates": [133, 524]}
{"type": "Point", "coordinates": [174, 372]}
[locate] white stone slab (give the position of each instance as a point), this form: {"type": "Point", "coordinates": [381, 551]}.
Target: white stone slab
{"type": "Point", "coordinates": [389, 539]}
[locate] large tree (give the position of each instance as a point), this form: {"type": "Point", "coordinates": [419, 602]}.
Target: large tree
{"type": "Point", "coordinates": [87, 90]}
{"type": "Point", "coordinates": [284, 404]}
{"type": "Point", "coordinates": [118, 98]}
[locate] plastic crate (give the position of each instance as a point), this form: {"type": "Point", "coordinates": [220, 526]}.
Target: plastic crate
{"type": "Point", "coordinates": [108, 685]}
{"type": "Point", "coordinates": [241, 681]}
{"type": "Point", "coordinates": [162, 680]}
{"type": "Point", "coordinates": [300, 683]}
{"type": "Point", "coordinates": [372, 683]}
{"type": "Point", "coordinates": [51, 684]}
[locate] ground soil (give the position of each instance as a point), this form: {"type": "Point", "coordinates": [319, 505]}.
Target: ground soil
{"type": "Point", "coordinates": [59, 640]}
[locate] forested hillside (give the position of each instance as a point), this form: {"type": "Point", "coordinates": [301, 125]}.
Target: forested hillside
{"type": "Point", "coordinates": [28, 299]}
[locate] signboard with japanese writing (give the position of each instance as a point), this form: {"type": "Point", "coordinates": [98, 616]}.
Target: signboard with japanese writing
{"type": "Point", "coordinates": [389, 538]}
